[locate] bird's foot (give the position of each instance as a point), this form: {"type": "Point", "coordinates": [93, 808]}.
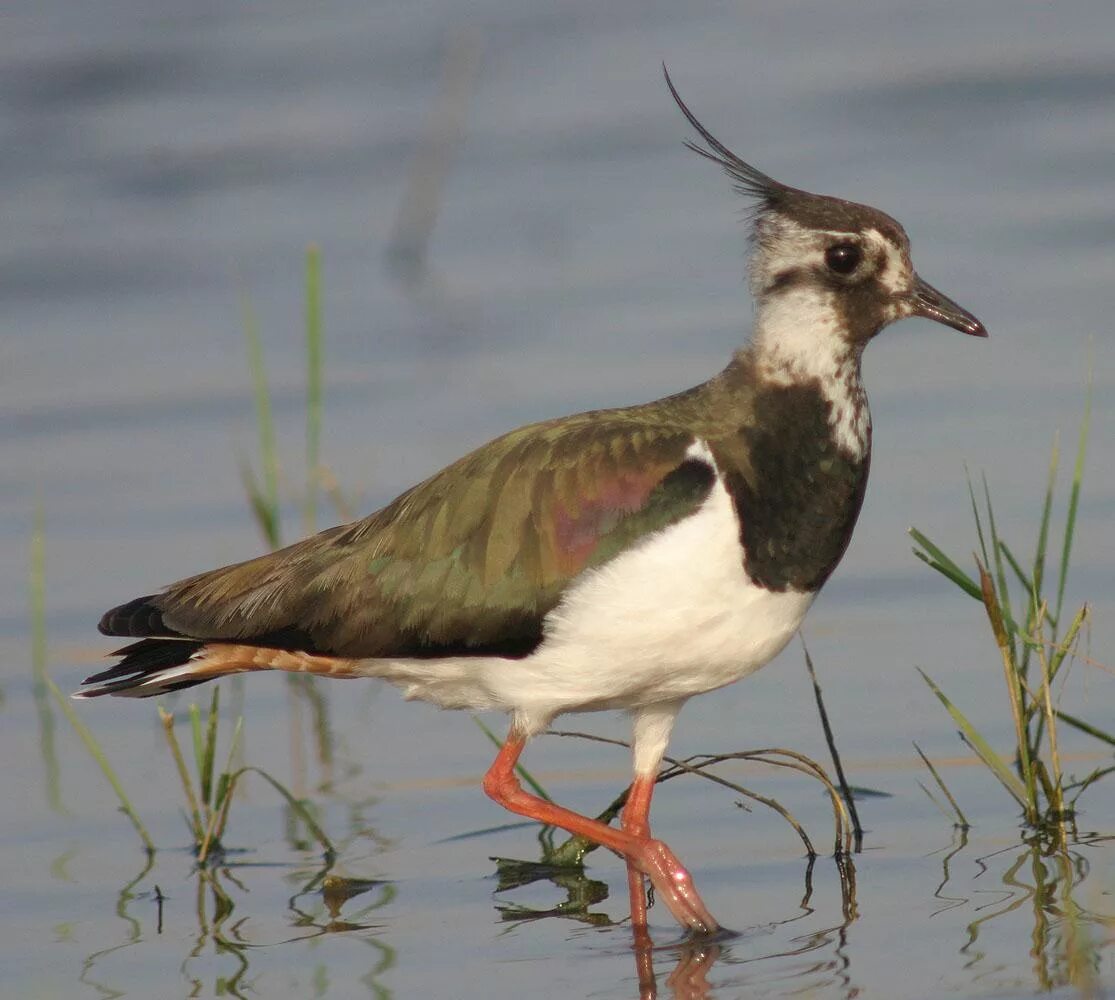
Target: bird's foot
{"type": "Point", "coordinates": [674, 886]}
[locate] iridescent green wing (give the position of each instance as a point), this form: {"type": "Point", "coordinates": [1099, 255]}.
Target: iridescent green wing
{"type": "Point", "coordinates": [468, 562]}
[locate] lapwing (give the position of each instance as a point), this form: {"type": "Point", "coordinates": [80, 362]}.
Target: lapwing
{"type": "Point", "coordinates": [621, 559]}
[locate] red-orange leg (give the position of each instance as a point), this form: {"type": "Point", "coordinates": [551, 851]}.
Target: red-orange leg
{"type": "Point", "coordinates": [672, 883]}
{"type": "Point", "coordinates": [636, 822]}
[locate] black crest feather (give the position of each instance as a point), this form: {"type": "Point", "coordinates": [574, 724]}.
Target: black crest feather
{"type": "Point", "coordinates": [749, 181]}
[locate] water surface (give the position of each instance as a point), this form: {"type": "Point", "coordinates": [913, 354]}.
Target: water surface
{"type": "Point", "coordinates": [163, 162]}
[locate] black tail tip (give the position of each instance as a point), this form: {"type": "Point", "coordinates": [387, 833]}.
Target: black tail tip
{"type": "Point", "coordinates": [147, 668]}
{"type": "Point", "coordinates": [137, 618]}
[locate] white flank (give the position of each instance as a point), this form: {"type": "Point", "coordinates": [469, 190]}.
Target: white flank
{"type": "Point", "coordinates": [672, 617]}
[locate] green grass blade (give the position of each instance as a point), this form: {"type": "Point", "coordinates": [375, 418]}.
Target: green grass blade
{"type": "Point", "coordinates": [1099, 772]}
{"type": "Point", "coordinates": [1066, 645]}
{"type": "Point", "coordinates": [1074, 498]}
{"type": "Point", "coordinates": [1003, 591]}
{"type": "Point", "coordinates": [1085, 727]}
{"type": "Point", "coordinates": [958, 815]}
{"type": "Point", "coordinates": [1032, 593]}
{"type": "Point", "coordinates": [976, 515]}
{"type": "Point", "coordinates": [295, 804]}
{"type": "Point", "coordinates": [1053, 784]}
{"type": "Point", "coordinates": [938, 560]}
{"type": "Point", "coordinates": [36, 599]}
{"type": "Point", "coordinates": [199, 744]}
{"type": "Point", "coordinates": [265, 423]}
{"type": "Point", "coordinates": [1038, 574]}
{"type": "Point", "coordinates": [936, 801]}
{"type": "Point", "coordinates": [1027, 633]}
{"type": "Point", "coordinates": [1016, 566]}
{"type": "Point", "coordinates": [234, 743]}
{"type": "Point", "coordinates": [222, 800]}
{"type": "Point", "coordinates": [223, 780]}
{"type": "Point", "coordinates": [1048, 785]}
{"type": "Point", "coordinates": [1007, 778]}
{"type": "Point", "coordinates": [209, 748]}
{"type": "Point", "coordinates": [313, 386]}
{"type": "Point", "coordinates": [197, 827]}
{"type": "Point", "coordinates": [266, 515]}
{"type": "Point", "coordinates": [98, 755]}
{"type": "Point", "coordinates": [1017, 690]}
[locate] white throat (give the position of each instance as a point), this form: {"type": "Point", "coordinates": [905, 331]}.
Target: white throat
{"type": "Point", "coordinates": [798, 339]}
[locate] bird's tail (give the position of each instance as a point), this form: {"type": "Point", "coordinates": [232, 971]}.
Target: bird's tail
{"type": "Point", "coordinates": [155, 666]}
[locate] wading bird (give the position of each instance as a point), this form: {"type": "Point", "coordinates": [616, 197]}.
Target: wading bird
{"type": "Point", "coordinates": [619, 559]}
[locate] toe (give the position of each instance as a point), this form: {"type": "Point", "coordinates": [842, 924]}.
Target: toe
{"type": "Point", "coordinates": [674, 886]}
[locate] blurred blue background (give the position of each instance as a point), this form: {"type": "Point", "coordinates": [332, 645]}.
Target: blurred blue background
{"type": "Point", "coordinates": [161, 162]}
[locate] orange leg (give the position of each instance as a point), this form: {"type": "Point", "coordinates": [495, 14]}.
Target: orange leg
{"type": "Point", "coordinates": [672, 883]}
{"type": "Point", "coordinates": [636, 822]}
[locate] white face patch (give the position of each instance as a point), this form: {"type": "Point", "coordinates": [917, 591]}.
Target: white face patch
{"type": "Point", "coordinates": [895, 273]}
{"type": "Point", "coordinates": [799, 333]}
{"type": "Point", "coordinates": [798, 338]}
{"type": "Point", "coordinates": [785, 245]}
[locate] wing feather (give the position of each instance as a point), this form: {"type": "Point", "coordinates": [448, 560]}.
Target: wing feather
{"type": "Point", "coordinates": [469, 561]}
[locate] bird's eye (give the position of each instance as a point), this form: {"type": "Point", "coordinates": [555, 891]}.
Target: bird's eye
{"type": "Point", "coordinates": [843, 258]}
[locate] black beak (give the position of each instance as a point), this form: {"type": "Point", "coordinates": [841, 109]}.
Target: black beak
{"type": "Point", "coordinates": [931, 304]}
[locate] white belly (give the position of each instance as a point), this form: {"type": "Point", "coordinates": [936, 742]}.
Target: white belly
{"type": "Point", "coordinates": [670, 618]}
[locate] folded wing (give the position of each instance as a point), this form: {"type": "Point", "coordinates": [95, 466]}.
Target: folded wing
{"type": "Point", "coordinates": [469, 562]}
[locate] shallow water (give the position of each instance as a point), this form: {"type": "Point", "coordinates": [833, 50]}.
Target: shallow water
{"type": "Point", "coordinates": [162, 162]}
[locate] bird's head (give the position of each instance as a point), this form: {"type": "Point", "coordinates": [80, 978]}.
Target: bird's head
{"type": "Point", "coordinates": [825, 261]}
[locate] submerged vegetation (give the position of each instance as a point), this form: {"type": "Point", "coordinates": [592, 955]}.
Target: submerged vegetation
{"type": "Point", "coordinates": [1036, 645]}
{"type": "Point", "coordinates": [207, 804]}
{"type": "Point", "coordinates": [209, 794]}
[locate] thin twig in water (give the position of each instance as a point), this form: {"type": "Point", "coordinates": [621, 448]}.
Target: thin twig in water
{"type": "Point", "coordinates": [960, 819]}
{"type": "Point", "coordinates": [679, 767]}
{"type": "Point", "coordinates": [845, 789]}
{"type": "Point", "coordinates": [767, 755]}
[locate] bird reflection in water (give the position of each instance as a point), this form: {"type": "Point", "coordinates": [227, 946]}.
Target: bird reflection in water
{"type": "Point", "coordinates": [693, 957]}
